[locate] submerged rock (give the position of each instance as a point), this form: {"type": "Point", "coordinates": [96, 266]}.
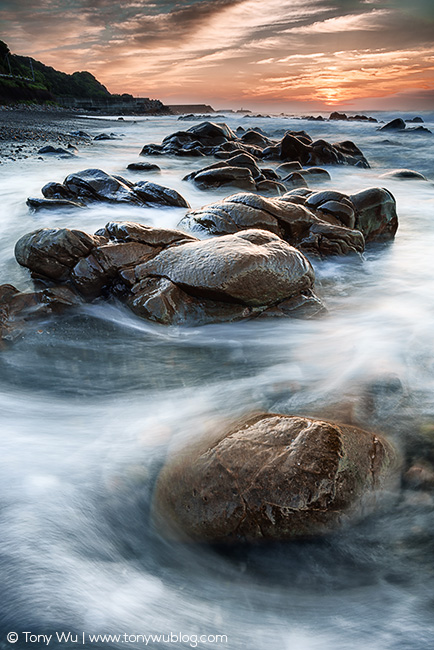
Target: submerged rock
{"type": "Point", "coordinates": [95, 185]}
{"type": "Point", "coordinates": [272, 477]}
{"type": "Point", "coordinates": [404, 175]}
{"type": "Point", "coordinates": [18, 309]}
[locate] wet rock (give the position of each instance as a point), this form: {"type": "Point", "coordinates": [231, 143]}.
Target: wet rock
{"type": "Point", "coordinates": [236, 176]}
{"type": "Point", "coordinates": [415, 119]}
{"type": "Point", "coordinates": [286, 168]}
{"type": "Point", "coordinates": [49, 149]}
{"type": "Point", "coordinates": [315, 174]}
{"type": "Point", "coordinates": [397, 124]}
{"type": "Point", "coordinates": [171, 277]}
{"type": "Point", "coordinates": [220, 141]}
{"type": "Point", "coordinates": [272, 477]}
{"type": "Point", "coordinates": [153, 193]}
{"type": "Point", "coordinates": [130, 231]}
{"type": "Point", "coordinates": [18, 309]}
{"type": "Point", "coordinates": [404, 175]}
{"type": "Point", "coordinates": [50, 204]}
{"type": "Point", "coordinates": [95, 185]}
{"type": "Point", "coordinates": [299, 219]}
{"type": "Point", "coordinates": [270, 188]}
{"type": "Point", "coordinates": [294, 179]}
{"type": "Point", "coordinates": [253, 267]}
{"type": "Point", "coordinates": [93, 274]}
{"type": "Point", "coordinates": [53, 252]}
{"type": "Point", "coordinates": [162, 301]}
{"type": "Point", "coordinates": [376, 214]}
{"type": "Point", "coordinates": [143, 167]}
{"type": "Point", "coordinates": [105, 136]}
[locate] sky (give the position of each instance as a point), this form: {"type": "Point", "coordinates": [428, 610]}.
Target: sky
{"type": "Point", "coordinates": [274, 55]}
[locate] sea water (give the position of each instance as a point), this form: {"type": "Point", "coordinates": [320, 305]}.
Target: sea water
{"type": "Point", "coordinates": [91, 401]}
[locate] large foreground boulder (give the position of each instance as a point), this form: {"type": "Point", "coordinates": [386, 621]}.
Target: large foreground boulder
{"type": "Point", "coordinates": [272, 477]}
{"type": "Point", "coordinates": [171, 277]}
{"type": "Point", "coordinates": [95, 185]}
{"type": "Point", "coordinates": [324, 223]}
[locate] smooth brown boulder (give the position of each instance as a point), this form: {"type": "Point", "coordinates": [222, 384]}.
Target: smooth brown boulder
{"type": "Point", "coordinates": [53, 252]}
{"type": "Point", "coordinates": [252, 267]}
{"type": "Point", "coordinates": [376, 214]}
{"type": "Point", "coordinates": [272, 477]}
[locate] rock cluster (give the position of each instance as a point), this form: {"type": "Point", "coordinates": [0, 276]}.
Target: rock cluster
{"type": "Point", "coordinates": [272, 477]}
{"type": "Point", "coordinates": [217, 139]}
{"type": "Point", "coordinates": [90, 185]}
{"type": "Point", "coordinates": [398, 124]}
{"type": "Point", "coordinates": [325, 223]}
{"type": "Point", "coordinates": [171, 277]}
{"type": "Point", "coordinates": [242, 170]}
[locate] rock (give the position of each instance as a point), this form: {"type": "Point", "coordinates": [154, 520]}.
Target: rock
{"type": "Point", "coordinates": [286, 168]}
{"type": "Point", "coordinates": [272, 477]}
{"type": "Point", "coordinates": [420, 475]}
{"type": "Point", "coordinates": [92, 185]}
{"type": "Point", "coordinates": [294, 180]}
{"type": "Point", "coordinates": [338, 116]}
{"type": "Point", "coordinates": [57, 191]}
{"type": "Point", "coordinates": [212, 131]}
{"type": "Point", "coordinates": [252, 267]}
{"type": "Point", "coordinates": [291, 148]}
{"type": "Point", "coordinates": [415, 119]}
{"type": "Point", "coordinates": [93, 274]}
{"type": "Point", "coordinates": [49, 149]}
{"type": "Point", "coordinates": [143, 167]}
{"type": "Point", "coordinates": [220, 141]}
{"type": "Point", "coordinates": [236, 176]}
{"type": "Point", "coordinates": [153, 193]}
{"type": "Point", "coordinates": [404, 175]}
{"type": "Point", "coordinates": [270, 188]}
{"type": "Point", "coordinates": [351, 153]}
{"type": "Point", "coordinates": [162, 301]}
{"type": "Point", "coordinates": [315, 174]}
{"type": "Point", "coordinates": [171, 277]}
{"type": "Point", "coordinates": [376, 214]}
{"type": "Point", "coordinates": [17, 309]}
{"type": "Point", "coordinates": [395, 125]}
{"type": "Point", "coordinates": [419, 130]}
{"type": "Point", "coordinates": [97, 185]}
{"type": "Point", "coordinates": [50, 204]}
{"type": "Point", "coordinates": [53, 252]}
{"type": "Point", "coordinates": [105, 136]}
{"type": "Point", "coordinates": [329, 231]}
{"type": "Point", "coordinates": [254, 137]}
{"type": "Point", "coordinates": [129, 231]}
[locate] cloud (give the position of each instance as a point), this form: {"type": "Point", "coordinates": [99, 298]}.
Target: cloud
{"type": "Point", "coordinates": [323, 51]}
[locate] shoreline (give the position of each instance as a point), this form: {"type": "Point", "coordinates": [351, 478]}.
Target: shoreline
{"type": "Point", "coordinates": [24, 131]}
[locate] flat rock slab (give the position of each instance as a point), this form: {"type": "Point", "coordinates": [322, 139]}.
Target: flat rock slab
{"type": "Point", "coordinates": [272, 477]}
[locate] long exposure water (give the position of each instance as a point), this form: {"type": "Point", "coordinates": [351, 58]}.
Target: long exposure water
{"type": "Point", "coordinates": [90, 403]}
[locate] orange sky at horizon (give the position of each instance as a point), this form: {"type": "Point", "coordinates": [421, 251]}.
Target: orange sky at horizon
{"type": "Point", "coordinates": [301, 55]}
